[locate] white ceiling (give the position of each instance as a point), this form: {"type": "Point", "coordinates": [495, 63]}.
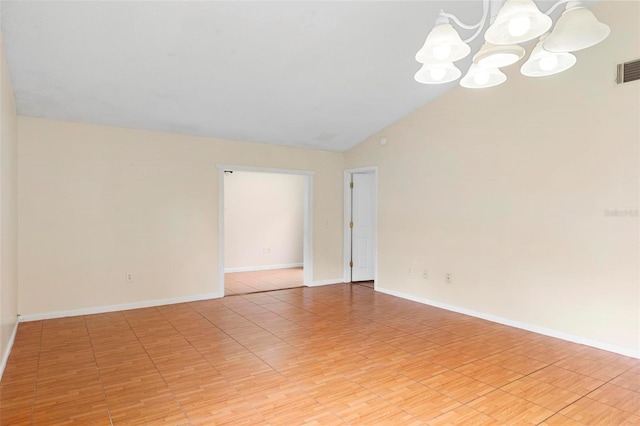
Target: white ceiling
{"type": "Point", "coordinates": [324, 74]}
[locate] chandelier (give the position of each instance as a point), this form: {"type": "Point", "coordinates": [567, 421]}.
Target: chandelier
{"type": "Point", "coordinates": [511, 22]}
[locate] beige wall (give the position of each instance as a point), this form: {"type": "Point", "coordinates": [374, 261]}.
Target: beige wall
{"type": "Point", "coordinates": [97, 202]}
{"type": "Point", "coordinates": [263, 220]}
{"type": "Point", "coordinates": [506, 189]}
{"type": "Point", "coordinates": [8, 211]}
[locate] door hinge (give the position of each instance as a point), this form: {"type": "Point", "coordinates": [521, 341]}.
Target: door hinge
{"type": "Point", "coordinates": [351, 264]}
{"type": "Point", "coordinates": [350, 224]}
{"type": "Point", "coordinates": [351, 185]}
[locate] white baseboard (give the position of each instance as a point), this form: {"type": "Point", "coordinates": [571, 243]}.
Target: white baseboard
{"type": "Point", "coordinates": [326, 282]}
{"type": "Point", "coordinates": [121, 307]}
{"type": "Point", "coordinates": [158, 302]}
{"type": "Point", "coordinates": [263, 268]}
{"type": "Point", "coordinates": [524, 326]}
{"type": "Point", "coordinates": [7, 351]}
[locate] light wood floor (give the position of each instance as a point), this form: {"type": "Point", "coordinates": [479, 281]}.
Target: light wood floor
{"type": "Point", "coordinates": [257, 281]}
{"type": "Point", "coordinates": [340, 354]}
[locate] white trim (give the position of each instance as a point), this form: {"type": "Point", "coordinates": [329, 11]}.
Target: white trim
{"type": "Point", "coordinates": [307, 238]}
{"type": "Point", "coordinates": [347, 219]}
{"type": "Point", "coordinates": [263, 268]}
{"type": "Point", "coordinates": [121, 307]}
{"type": "Point", "coordinates": [521, 325]}
{"type": "Point", "coordinates": [5, 355]}
{"type": "Point", "coordinates": [326, 282]}
{"type": "Point", "coordinates": [347, 232]}
{"type": "Point", "coordinates": [367, 169]}
{"type": "Point", "coordinates": [307, 246]}
{"type": "Point", "coordinates": [220, 288]}
{"type": "Point", "coordinates": [232, 168]}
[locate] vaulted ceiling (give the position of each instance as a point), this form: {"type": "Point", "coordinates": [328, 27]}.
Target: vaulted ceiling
{"type": "Point", "coordinates": [324, 74]}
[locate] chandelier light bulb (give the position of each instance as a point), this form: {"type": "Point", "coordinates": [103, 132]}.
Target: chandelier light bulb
{"type": "Point", "coordinates": [547, 63]}
{"type": "Point", "coordinates": [442, 51]}
{"type": "Point", "coordinates": [481, 77]}
{"type": "Point", "coordinates": [542, 63]}
{"type": "Point", "coordinates": [519, 26]}
{"type": "Point", "coordinates": [443, 44]}
{"type": "Point", "coordinates": [576, 29]}
{"type": "Point", "coordinates": [437, 74]}
{"type": "Point", "coordinates": [517, 21]}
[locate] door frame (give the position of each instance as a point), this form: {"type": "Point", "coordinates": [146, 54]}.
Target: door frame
{"type": "Point", "coordinates": [307, 237]}
{"type": "Point", "coordinates": [347, 218]}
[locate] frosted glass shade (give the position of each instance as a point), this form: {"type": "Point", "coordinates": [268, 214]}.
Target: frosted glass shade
{"type": "Point", "coordinates": [542, 63]}
{"type": "Point", "coordinates": [437, 73]}
{"type": "Point", "coordinates": [491, 56]}
{"type": "Point", "coordinates": [480, 77]}
{"type": "Point", "coordinates": [517, 21]}
{"type": "Point", "coordinates": [443, 44]}
{"type": "Point", "coordinates": [576, 29]}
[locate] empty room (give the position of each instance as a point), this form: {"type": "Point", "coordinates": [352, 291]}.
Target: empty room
{"type": "Point", "coordinates": [462, 245]}
{"type": "Point", "coordinates": [263, 231]}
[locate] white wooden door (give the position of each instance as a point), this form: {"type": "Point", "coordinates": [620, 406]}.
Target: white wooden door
{"type": "Point", "coordinates": [362, 230]}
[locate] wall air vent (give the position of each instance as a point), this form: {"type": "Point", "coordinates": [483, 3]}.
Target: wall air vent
{"type": "Point", "coordinates": [629, 71]}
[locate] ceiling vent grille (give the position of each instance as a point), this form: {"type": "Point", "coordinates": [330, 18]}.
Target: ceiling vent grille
{"type": "Point", "coordinates": [629, 71]}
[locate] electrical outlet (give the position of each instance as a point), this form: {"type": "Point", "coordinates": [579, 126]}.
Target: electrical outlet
{"type": "Point", "coordinates": [266, 250]}
{"type": "Point", "coordinates": [129, 276]}
{"type": "Point", "coordinates": [448, 278]}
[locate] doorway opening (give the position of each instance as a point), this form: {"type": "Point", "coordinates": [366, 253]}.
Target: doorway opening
{"type": "Point", "coordinates": [264, 229]}
{"type": "Point", "coordinates": [360, 218]}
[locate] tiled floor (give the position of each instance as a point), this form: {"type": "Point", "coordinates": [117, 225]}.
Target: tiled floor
{"type": "Point", "coordinates": [340, 354]}
{"type": "Point", "coordinates": [257, 281]}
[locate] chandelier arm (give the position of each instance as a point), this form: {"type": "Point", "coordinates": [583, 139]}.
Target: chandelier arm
{"type": "Point", "coordinates": [485, 13]}
{"type": "Point", "coordinates": [555, 6]}
{"type": "Point", "coordinates": [461, 24]}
